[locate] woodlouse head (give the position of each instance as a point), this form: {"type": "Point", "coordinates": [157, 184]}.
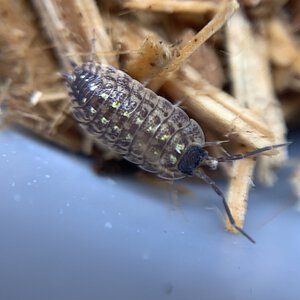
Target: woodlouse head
{"type": "Point", "coordinates": [196, 157]}
{"type": "Point", "coordinates": [192, 159]}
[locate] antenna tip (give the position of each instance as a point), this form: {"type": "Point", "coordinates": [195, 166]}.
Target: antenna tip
{"type": "Point", "coordinates": [246, 235]}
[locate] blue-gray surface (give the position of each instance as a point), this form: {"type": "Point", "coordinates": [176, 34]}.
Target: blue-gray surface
{"type": "Point", "coordinates": [67, 233]}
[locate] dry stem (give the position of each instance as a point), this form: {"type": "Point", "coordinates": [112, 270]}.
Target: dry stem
{"type": "Point", "coordinates": [70, 26]}
{"type": "Point", "coordinates": [284, 52]}
{"type": "Point", "coordinates": [219, 110]}
{"type": "Point", "coordinates": [240, 183]}
{"type": "Point", "coordinates": [168, 6]}
{"type": "Point", "coordinates": [152, 56]}
{"type": "Point", "coordinates": [253, 89]}
{"type": "Point", "coordinates": [225, 12]}
{"type": "Point", "coordinates": [294, 180]}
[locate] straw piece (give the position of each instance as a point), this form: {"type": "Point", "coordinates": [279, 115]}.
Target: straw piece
{"type": "Point", "coordinates": [152, 56]}
{"type": "Point", "coordinates": [294, 181]}
{"type": "Point", "coordinates": [284, 51]}
{"type": "Point", "coordinates": [206, 60]}
{"type": "Point", "coordinates": [168, 6]}
{"type": "Point", "coordinates": [219, 110]}
{"type": "Point", "coordinates": [224, 13]}
{"type": "Point", "coordinates": [27, 63]}
{"type": "Point", "coordinates": [70, 26]}
{"type": "Point", "coordinates": [261, 9]}
{"type": "Point", "coordinates": [253, 89]}
{"type": "Point", "coordinates": [242, 67]}
{"type": "Point", "coordinates": [253, 86]}
{"type": "Point", "coordinates": [240, 183]}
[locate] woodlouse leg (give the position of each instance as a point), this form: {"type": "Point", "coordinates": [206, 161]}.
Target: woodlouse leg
{"type": "Point", "coordinates": [251, 153]}
{"type": "Point", "coordinates": [199, 173]}
{"type": "Point", "coordinates": [178, 103]}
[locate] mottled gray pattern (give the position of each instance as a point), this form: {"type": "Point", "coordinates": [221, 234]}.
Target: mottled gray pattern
{"type": "Point", "coordinates": [132, 120]}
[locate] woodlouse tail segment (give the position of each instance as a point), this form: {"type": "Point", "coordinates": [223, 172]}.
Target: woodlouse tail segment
{"type": "Point", "coordinates": [69, 78]}
{"type": "Point", "coordinates": [199, 173]}
{"type": "Point", "coordinates": [251, 153]}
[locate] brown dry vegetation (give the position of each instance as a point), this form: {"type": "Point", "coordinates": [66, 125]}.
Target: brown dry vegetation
{"type": "Point", "coordinates": [242, 84]}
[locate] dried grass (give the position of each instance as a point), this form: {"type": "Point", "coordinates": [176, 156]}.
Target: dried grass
{"type": "Point", "coordinates": [160, 43]}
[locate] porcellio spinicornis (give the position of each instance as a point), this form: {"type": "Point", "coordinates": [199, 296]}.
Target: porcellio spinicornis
{"type": "Point", "coordinates": [143, 127]}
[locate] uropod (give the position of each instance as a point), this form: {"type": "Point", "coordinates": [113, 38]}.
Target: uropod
{"type": "Point", "coordinates": [143, 127]}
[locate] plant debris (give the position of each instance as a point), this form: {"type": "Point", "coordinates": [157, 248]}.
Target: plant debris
{"type": "Point", "coordinates": [241, 83]}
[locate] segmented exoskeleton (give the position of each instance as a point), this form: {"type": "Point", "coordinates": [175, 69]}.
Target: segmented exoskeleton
{"type": "Point", "coordinates": [145, 128]}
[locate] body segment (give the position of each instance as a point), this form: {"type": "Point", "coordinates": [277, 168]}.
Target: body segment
{"type": "Point", "coordinates": [132, 120]}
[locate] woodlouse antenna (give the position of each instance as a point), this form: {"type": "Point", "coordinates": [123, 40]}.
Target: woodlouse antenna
{"type": "Point", "coordinates": [251, 153]}
{"type": "Point", "coordinates": [199, 173]}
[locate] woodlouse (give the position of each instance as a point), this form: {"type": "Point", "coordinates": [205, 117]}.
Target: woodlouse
{"type": "Point", "coordinates": [143, 127]}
